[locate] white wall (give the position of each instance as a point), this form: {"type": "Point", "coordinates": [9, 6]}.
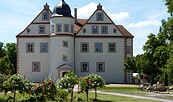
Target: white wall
{"type": "Point", "coordinates": [26, 59]}
{"type": "Point", "coordinates": [57, 50]}
{"type": "Point", "coordinates": [114, 70]}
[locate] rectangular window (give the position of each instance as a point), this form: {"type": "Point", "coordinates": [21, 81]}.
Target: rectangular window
{"type": "Point", "coordinates": [104, 29]}
{"type": "Point", "coordinates": [112, 47]}
{"type": "Point", "coordinates": [100, 66]}
{"type": "Point", "coordinates": [53, 28]}
{"type": "Point", "coordinates": [72, 29]}
{"type": "Point", "coordinates": [41, 29]}
{"type": "Point", "coordinates": [35, 66]}
{"type": "Point", "coordinates": [84, 47]}
{"type": "Point", "coordinates": [95, 29]}
{"type": "Point", "coordinates": [30, 47]}
{"type": "Point", "coordinates": [45, 16]}
{"type": "Point", "coordinates": [65, 58]}
{"type": "Point", "coordinates": [58, 27]}
{"type": "Point", "coordinates": [98, 47]}
{"type": "Point", "coordinates": [100, 16]}
{"type": "Point", "coordinates": [128, 50]}
{"type": "Point", "coordinates": [65, 44]}
{"type": "Point", "coordinates": [66, 28]}
{"type": "Point", "coordinates": [43, 47]}
{"type": "Point", "coordinates": [84, 66]}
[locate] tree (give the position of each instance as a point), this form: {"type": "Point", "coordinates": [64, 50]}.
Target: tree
{"type": "Point", "coordinates": [166, 82]}
{"type": "Point", "coordinates": [85, 84]}
{"type": "Point", "coordinates": [68, 82]}
{"type": "Point", "coordinates": [6, 67]}
{"type": "Point", "coordinates": [169, 68]}
{"type": "Point", "coordinates": [2, 50]}
{"type": "Point", "coordinates": [130, 64]}
{"type": "Point", "coordinates": [96, 81]}
{"type": "Point", "coordinates": [11, 53]}
{"type": "Point", "coordinates": [16, 83]}
{"type": "Point", "coordinates": [169, 4]}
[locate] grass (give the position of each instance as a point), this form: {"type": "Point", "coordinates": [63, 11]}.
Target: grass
{"type": "Point", "coordinates": [110, 98]}
{"type": "Point", "coordinates": [101, 97]}
{"type": "Point", "coordinates": [125, 90]}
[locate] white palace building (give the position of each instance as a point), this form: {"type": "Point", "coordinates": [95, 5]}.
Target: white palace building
{"type": "Point", "coordinates": [55, 43]}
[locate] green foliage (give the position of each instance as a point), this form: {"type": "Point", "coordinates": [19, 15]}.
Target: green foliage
{"type": "Point", "coordinates": [16, 83]}
{"type": "Point", "coordinates": [96, 81]}
{"type": "Point", "coordinates": [62, 95]}
{"type": "Point", "coordinates": [6, 67]}
{"type": "Point", "coordinates": [68, 82]}
{"type": "Point", "coordinates": [2, 50]}
{"type": "Point", "coordinates": [169, 4]}
{"type": "Point", "coordinates": [166, 83]}
{"type": "Point", "coordinates": [130, 64]}
{"type": "Point", "coordinates": [11, 53]}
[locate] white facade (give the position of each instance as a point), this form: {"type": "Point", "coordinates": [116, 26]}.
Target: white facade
{"type": "Point", "coordinates": [52, 45]}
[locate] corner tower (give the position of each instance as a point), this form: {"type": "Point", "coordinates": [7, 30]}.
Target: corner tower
{"type": "Point", "coordinates": [61, 40]}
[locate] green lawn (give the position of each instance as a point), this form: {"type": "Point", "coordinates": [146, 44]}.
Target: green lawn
{"type": "Point", "coordinates": [101, 97]}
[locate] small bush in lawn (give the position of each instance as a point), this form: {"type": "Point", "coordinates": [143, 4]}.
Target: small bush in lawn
{"type": "Point", "coordinates": [62, 95]}
{"type": "Point", "coordinates": [28, 99]}
{"type": "Point", "coordinates": [46, 88]}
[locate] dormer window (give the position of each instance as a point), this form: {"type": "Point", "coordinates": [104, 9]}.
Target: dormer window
{"type": "Point", "coordinates": [66, 28]}
{"type": "Point", "coordinates": [99, 16]}
{"type": "Point", "coordinates": [45, 16]}
{"type": "Point", "coordinates": [41, 29]}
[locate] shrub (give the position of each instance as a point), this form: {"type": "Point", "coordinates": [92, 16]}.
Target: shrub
{"type": "Point", "coordinates": [68, 82]}
{"type": "Point", "coordinates": [62, 95]}
{"type": "Point", "coordinates": [46, 88]}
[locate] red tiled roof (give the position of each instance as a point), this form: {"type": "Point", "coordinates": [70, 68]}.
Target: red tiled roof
{"type": "Point", "coordinates": [124, 31]}
{"type": "Point", "coordinates": [79, 24]}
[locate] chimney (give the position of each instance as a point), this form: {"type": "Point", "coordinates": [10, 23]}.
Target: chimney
{"type": "Point", "coordinates": [75, 15]}
{"type": "Point", "coordinates": [46, 7]}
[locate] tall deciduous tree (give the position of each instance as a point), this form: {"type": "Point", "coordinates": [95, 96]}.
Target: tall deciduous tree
{"type": "Point", "coordinates": [130, 64]}
{"type": "Point", "coordinates": [11, 53]}
{"type": "Point", "coordinates": [6, 67]}
{"type": "Point", "coordinates": [2, 50]}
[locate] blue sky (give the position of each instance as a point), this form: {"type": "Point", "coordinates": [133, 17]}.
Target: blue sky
{"type": "Point", "coordinates": [140, 17]}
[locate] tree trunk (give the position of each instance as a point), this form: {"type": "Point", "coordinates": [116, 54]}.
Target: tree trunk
{"type": "Point", "coordinates": [95, 93]}
{"type": "Point", "coordinates": [71, 100]}
{"type": "Point", "coordinates": [87, 94]}
{"type": "Point", "coordinates": [14, 96]}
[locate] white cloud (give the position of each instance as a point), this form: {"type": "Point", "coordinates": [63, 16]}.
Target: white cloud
{"type": "Point", "coordinates": [119, 16]}
{"type": "Point", "coordinates": [144, 24]}
{"type": "Point", "coordinates": [86, 11]}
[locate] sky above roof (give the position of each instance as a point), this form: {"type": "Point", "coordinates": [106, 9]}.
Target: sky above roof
{"type": "Point", "coordinates": [140, 17]}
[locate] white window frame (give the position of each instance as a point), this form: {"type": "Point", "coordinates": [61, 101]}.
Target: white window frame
{"type": "Point", "coordinates": [45, 16]}
{"type": "Point", "coordinates": [84, 66]}
{"type": "Point", "coordinates": [112, 49]}
{"type": "Point", "coordinates": [36, 66]}
{"type": "Point", "coordinates": [66, 27]}
{"type": "Point", "coordinates": [95, 29]}
{"type": "Point", "coordinates": [84, 47]}
{"type": "Point", "coordinates": [43, 47]}
{"type": "Point", "coordinates": [30, 47]}
{"type": "Point", "coordinates": [99, 16]}
{"type": "Point", "coordinates": [128, 49]}
{"type": "Point", "coordinates": [100, 45]}
{"type": "Point", "coordinates": [58, 27]}
{"type": "Point", "coordinates": [65, 44]}
{"type": "Point", "coordinates": [53, 28]}
{"type": "Point", "coordinates": [100, 66]}
{"type": "Point", "coordinates": [104, 29]}
{"type": "Point", "coordinates": [41, 29]}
